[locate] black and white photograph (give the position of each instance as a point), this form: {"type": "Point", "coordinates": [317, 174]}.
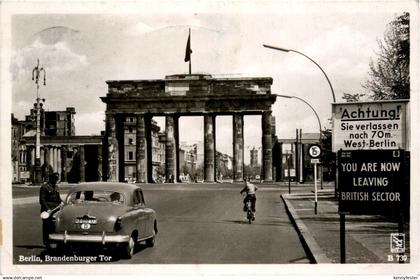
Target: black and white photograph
{"type": "Point", "coordinates": [224, 138]}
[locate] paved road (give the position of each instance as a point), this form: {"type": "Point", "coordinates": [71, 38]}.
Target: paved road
{"type": "Point", "coordinates": [198, 224]}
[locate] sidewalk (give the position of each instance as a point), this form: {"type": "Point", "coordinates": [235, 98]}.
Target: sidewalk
{"type": "Point", "coordinates": [367, 237]}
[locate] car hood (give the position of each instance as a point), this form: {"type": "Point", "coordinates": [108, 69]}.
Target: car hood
{"type": "Point", "coordinates": [105, 215]}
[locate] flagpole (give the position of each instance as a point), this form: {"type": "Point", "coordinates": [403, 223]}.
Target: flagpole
{"type": "Point", "coordinates": [189, 62]}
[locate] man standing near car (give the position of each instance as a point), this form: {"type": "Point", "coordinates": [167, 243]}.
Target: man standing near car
{"type": "Point", "coordinates": [49, 198]}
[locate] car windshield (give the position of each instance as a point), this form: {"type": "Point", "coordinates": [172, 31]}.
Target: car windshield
{"type": "Point", "coordinates": [89, 196]}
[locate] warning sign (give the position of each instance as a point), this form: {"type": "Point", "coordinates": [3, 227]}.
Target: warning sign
{"type": "Point", "coordinates": [371, 182]}
{"type": "Point", "coordinates": [369, 126]}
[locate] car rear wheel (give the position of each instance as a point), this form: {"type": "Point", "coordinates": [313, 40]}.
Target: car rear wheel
{"type": "Point", "coordinates": [128, 249]}
{"type": "Point", "coordinates": [151, 241]}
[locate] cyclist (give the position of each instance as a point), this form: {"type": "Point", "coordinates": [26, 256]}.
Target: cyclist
{"type": "Point", "coordinates": [250, 190]}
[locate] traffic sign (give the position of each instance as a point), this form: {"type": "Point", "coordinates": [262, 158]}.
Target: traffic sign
{"type": "Point", "coordinates": [315, 160]}
{"type": "Point", "coordinates": [372, 182]}
{"type": "Point", "coordinates": [314, 151]}
{"type": "Point", "coordinates": [373, 125]}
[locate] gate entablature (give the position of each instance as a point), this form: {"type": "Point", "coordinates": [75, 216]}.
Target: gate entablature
{"type": "Point", "coordinates": [190, 94]}
{"type": "Point", "coordinates": [177, 95]}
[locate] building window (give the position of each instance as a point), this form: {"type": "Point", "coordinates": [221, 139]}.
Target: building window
{"type": "Point", "coordinates": [130, 129]}
{"type": "Point", "coordinates": [130, 141]}
{"type": "Point", "coordinates": [130, 155]}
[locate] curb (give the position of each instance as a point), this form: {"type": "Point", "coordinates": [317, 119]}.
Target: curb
{"type": "Point", "coordinates": [30, 199]}
{"type": "Point", "coordinates": [309, 194]}
{"type": "Point", "coordinates": [311, 247]}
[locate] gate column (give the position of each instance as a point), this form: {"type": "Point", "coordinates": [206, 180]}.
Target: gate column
{"type": "Point", "coordinates": [238, 147]}
{"type": "Point", "coordinates": [112, 148]}
{"type": "Point", "coordinates": [141, 149]}
{"type": "Point", "coordinates": [209, 148]}
{"type": "Point", "coordinates": [100, 164]}
{"type": "Point", "coordinates": [170, 151]}
{"type": "Point", "coordinates": [267, 155]}
{"type": "Point", "coordinates": [64, 163]}
{"type": "Point", "coordinates": [82, 163]}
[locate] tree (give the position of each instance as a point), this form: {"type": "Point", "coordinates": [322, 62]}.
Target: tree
{"type": "Point", "coordinates": [328, 157]}
{"type": "Point", "coordinates": [350, 97]}
{"type": "Point", "coordinates": [389, 75]}
{"type": "Point", "coordinates": [199, 172]}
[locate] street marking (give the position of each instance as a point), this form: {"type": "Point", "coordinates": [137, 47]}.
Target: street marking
{"type": "Point", "coordinates": [304, 209]}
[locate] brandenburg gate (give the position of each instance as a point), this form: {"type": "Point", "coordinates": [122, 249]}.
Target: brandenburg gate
{"type": "Point", "coordinates": [185, 95]}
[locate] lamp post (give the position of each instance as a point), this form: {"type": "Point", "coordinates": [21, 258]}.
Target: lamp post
{"type": "Point", "coordinates": [328, 80]}
{"type": "Point", "coordinates": [307, 103]}
{"type": "Point", "coordinates": [35, 76]}
{"type": "Point", "coordinates": [291, 50]}
{"type": "Point", "coordinates": [316, 114]}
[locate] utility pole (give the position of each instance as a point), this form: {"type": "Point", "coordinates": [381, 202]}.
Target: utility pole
{"type": "Point", "coordinates": [35, 77]}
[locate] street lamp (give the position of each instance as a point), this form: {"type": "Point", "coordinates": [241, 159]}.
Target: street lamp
{"type": "Point", "coordinates": [291, 50]}
{"type": "Point", "coordinates": [307, 103]}
{"type": "Point", "coordinates": [35, 76]}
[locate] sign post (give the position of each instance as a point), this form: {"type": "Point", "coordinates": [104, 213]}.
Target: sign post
{"type": "Point", "coordinates": [316, 189]}
{"type": "Point", "coordinates": [342, 238]}
{"type": "Point", "coordinates": [288, 171]}
{"type": "Point", "coordinates": [314, 152]}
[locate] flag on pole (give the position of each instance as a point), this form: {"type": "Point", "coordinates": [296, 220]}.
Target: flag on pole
{"type": "Point", "coordinates": [188, 50]}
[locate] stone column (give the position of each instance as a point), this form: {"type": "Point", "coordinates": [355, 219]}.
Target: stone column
{"type": "Point", "coordinates": [100, 178]}
{"type": "Point", "coordinates": [54, 158]}
{"type": "Point", "coordinates": [31, 157]}
{"type": "Point", "coordinates": [267, 156]}
{"type": "Point", "coordinates": [42, 155]}
{"type": "Point", "coordinates": [51, 156]}
{"type": "Point", "coordinates": [176, 136]}
{"type": "Point", "coordinates": [64, 163]}
{"type": "Point", "coordinates": [82, 163]}
{"type": "Point", "coordinates": [113, 163]}
{"type": "Point", "coordinates": [170, 151]}
{"type": "Point", "coordinates": [209, 148]}
{"type": "Point", "coordinates": [280, 167]}
{"type": "Point", "coordinates": [238, 147]}
{"type": "Point", "coordinates": [46, 154]}
{"type": "Point", "coordinates": [58, 161]}
{"type": "Point", "coordinates": [141, 149]}
{"type": "Point", "coordinates": [149, 150]}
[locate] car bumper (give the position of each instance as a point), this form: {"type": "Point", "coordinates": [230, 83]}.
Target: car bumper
{"type": "Point", "coordinates": [94, 238]}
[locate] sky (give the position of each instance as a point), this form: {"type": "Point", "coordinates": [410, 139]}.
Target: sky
{"type": "Point", "coordinates": [82, 51]}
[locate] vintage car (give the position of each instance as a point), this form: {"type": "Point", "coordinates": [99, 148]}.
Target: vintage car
{"type": "Point", "coordinates": [106, 214]}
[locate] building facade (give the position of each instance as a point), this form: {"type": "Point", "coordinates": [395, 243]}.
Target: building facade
{"type": "Point", "coordinates": [18, 129]}
{"type": "Point", "coordinates": [293, 158]}
{"type": "Point", "coordinates": [253, 157]}
{"type": "Point", "coordinates": [75, 158]}
{"type": "Point", "coordinates": [157, 149]}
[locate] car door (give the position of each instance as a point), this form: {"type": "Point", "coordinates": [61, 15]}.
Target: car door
{"type": "Point", "coordinates": [148, 214]}
{"type": "Point", "coordinates": [141, 214]}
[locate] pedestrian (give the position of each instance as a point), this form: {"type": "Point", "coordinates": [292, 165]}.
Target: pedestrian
{"type": "Point", "coordinates": [46, 170]}
{"type": "Point", "coordinates": [49, 198]}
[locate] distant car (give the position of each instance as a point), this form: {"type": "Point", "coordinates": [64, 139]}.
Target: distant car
{"type": "Point", "coordinates": [106, 214]}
